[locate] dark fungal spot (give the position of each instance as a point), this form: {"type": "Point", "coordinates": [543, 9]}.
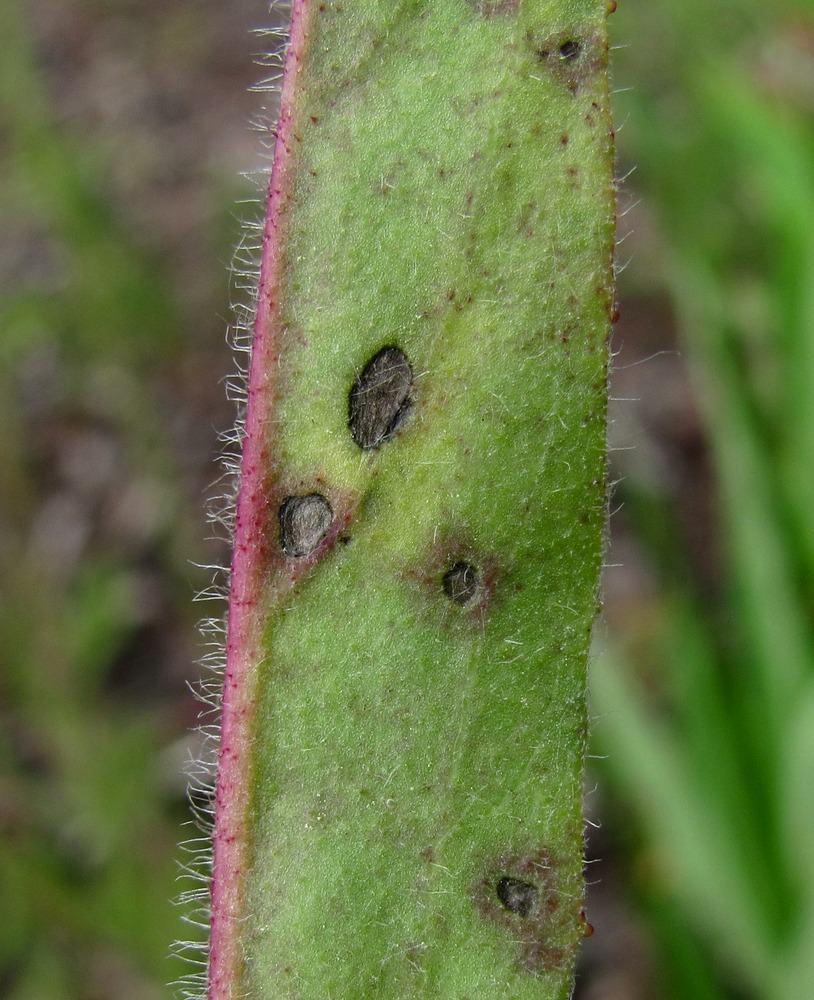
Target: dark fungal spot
{"type": "Point", "coordinates": [517, 896]}
{"type": "Point", "coordinates": [536, 898]}
{"type": "Point", "coordinates": [574, 56]}
{"type": "Point", "coordinates": [304, 522]}
{"type": "Point", "coordinates": [380, 398]}
{"type": "Point", "coordinates": [570, 50]}
{"type": "Point", "coordinates": [462, 584]}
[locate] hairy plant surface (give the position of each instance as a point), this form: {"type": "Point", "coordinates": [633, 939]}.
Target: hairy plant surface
{"type": "Point", "coordinates": [420, 520]}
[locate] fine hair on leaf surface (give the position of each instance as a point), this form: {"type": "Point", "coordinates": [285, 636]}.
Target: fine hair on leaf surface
{"type": "Point", "coordinates": [419, 526]}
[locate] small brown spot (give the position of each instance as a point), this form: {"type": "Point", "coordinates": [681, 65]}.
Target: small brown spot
{"type": "Point", "coordinates": [304, 522]}
{"type": "Point", "coordinates": [380, 398]}
{"type": "Point", "coordinates": [414, 954]}
{"type": "Point", "coordinates": [527, 217]}
{"type": "Point", "coordinates": [517, 896]}
{"type": "Point", "coordinates": [572, 56]}
{"type": "Point", "coordinates": [462, 584]}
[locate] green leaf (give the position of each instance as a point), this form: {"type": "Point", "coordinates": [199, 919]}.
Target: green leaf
{"type": "Point", "coordinates": [416, 560]}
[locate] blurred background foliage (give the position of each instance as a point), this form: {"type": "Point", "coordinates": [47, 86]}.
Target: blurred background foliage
{"type": "Point", "coordinates": [122, 136]}
{"type": "Point", "coordinates": [703, 679]}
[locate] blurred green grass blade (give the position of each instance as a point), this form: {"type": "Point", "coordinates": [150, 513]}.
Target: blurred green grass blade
{"type": "Point", "coordinates": [703, 711]}
{"type": "Point", "coordinates": [700, 695]}
{"type": "Point", "coordinates": [797, 789]}
{"type": "Point", "coordinates": [763, 569]}
{"type": "Point", "coordinates": [725, 147]}
{"type": "Point", "coordinates": [795, 968]}
{"type": "Point", "coordinates": [688, 829]}
{"type": "Point", "coordinates": [684, 970]}
{"type": "Point", "coordinates": [774, 148]}
{"type": "Point", "coordinates": [716, 726]}
{"type": "Point", "coordinates": [773, 639]}
{"type": "Point", "coordinates": [797, 818]}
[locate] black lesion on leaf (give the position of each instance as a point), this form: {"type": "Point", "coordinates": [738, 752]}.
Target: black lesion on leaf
{"type": "Point", "coordinates": [537, 903]}
{"type": "Point", "coordinates": [462, 583]}
{"type": "Point", "coordinates": [570, 50]}
{"type": "Point", "coordinates": [304, 523]}
{"type": "Point", "coordinates": [380, 401]}
{"type": "Point", "coordinates": [517, 896]}
{"type": "Point", "coordinates": [573, 57]}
